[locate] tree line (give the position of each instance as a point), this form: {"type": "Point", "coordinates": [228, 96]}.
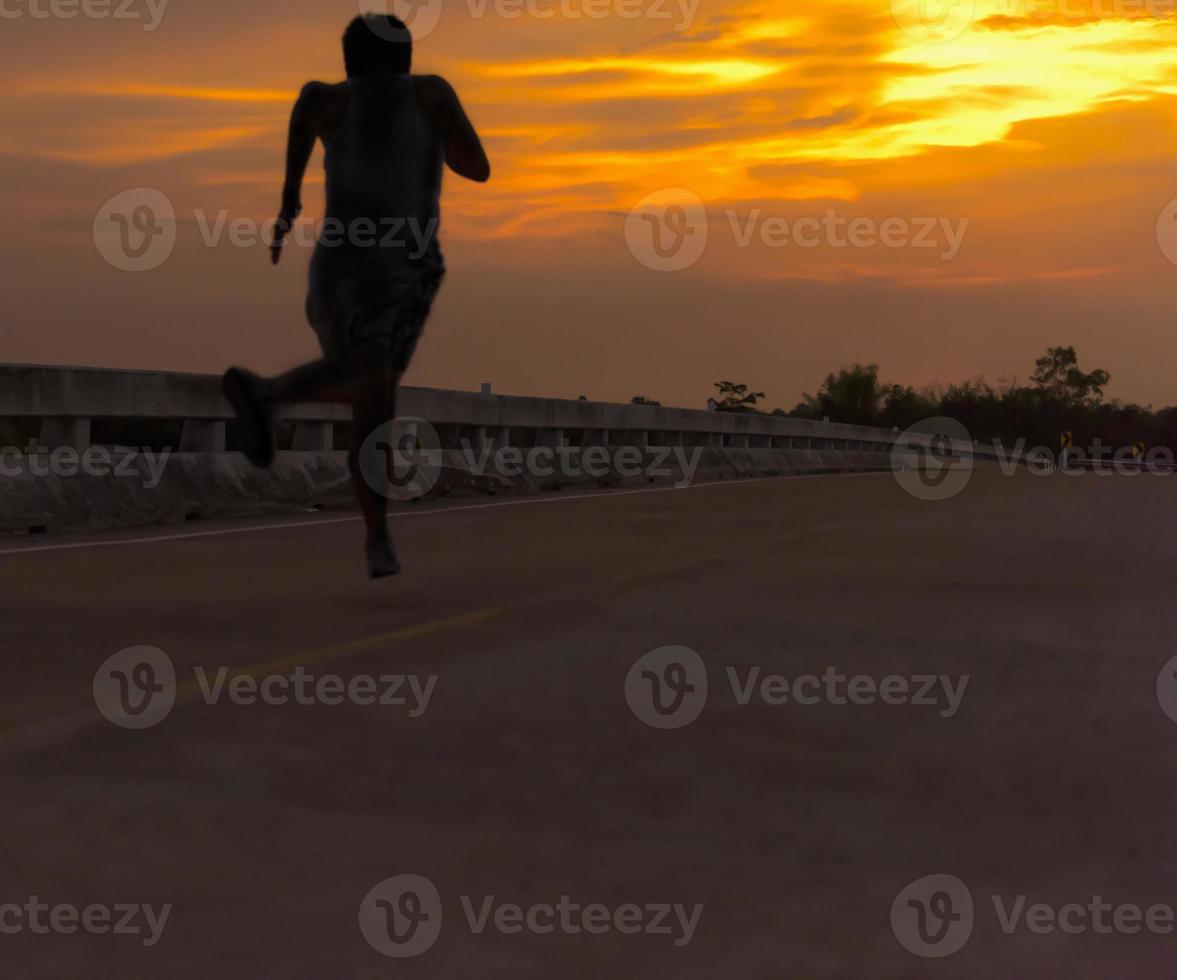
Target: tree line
{"type": "Point", "coordinates": [1060, 397]}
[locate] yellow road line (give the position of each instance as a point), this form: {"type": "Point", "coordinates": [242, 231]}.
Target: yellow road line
{"type": "Point", "coordinates": [323, 654]}
{"type": "Point", "coordinates": [57, 729]}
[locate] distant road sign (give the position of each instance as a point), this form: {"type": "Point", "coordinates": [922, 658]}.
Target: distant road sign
{"type": "Point", "coordinates": [1139, 449]}
{"type": "Point", "coordinates": [1066, 440]}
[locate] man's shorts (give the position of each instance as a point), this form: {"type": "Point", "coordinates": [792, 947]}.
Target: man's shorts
{"type": "Point", "coordinates": [364, 302]}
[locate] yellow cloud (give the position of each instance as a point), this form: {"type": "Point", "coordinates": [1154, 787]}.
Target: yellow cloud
{"type": "Point", "coordinates": [728, 71]}
{"type": "Point", "coordinates": [150, 91]}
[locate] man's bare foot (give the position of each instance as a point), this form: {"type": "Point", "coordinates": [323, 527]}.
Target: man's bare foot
{"type": "Point", "coordinates": [251, 399]}
{"type": "Point", "coordinates": [381, 559]}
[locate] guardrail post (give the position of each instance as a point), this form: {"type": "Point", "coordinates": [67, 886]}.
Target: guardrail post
{"type": "Point", "coordinates": [314, 437]}
{"type": "Point", "coordinates": [60, 432]}
{"type": "Point", "coordinates": [551, 438]}
{"type": "Point", "coordinates": [202, 436]}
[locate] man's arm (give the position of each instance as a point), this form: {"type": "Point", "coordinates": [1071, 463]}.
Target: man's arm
{"type": "Point", "coordinates": [305, 125]}
{"type": "Point", "coordinates": [464, 154]}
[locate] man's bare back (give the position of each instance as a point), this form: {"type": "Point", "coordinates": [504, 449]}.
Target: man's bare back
{"type": "Point", "coordinates": [320, 109]}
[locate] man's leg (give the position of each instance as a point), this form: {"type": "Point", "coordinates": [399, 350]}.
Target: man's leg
{"type": "Point", "coordinates": [336, 378]}
{"type": "Point", "coordinates": [341, 377]}
{"type": "Point", "coordinates": [373, 406]}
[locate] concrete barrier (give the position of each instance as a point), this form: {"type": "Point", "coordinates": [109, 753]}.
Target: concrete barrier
{"type": "Point", "coordinates": [53, 484]}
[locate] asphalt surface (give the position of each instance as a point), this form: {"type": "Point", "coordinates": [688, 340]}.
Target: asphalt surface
{"type": "Point", "coordinates": [517, 771]}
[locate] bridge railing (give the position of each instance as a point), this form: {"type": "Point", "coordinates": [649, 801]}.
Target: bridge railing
{"type": "Point", "coordinates": [67, 400]}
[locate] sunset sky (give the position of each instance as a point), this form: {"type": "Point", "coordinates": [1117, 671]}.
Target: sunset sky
{"type": "Point", "coordinates": [1044, 129]}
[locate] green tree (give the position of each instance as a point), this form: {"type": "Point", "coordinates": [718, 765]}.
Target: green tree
{"type": "Point", "coordinates": [852, 395]}
{"type": "Point", "coordinates": [903, 406]}
{"type": "Point", "coordinates": [736, 397]}
{"type": "Point", "coordinates": [1057, 376]}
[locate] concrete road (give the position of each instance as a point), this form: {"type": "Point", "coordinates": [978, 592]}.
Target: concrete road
{"type": "Point", "coordinates": [558, 833]}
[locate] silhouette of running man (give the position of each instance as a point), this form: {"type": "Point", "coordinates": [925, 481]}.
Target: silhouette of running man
{"type": "Point", "coordinates": [377, 265]}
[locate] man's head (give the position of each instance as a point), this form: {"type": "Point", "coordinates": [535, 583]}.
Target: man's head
{"type": "Point", "coordinates": [377, 41]}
